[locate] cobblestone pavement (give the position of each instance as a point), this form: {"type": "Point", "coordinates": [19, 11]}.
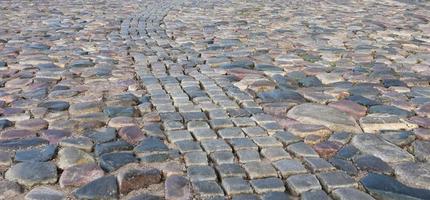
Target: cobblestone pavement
{"type": "Point", "coordinates": [223, 99]}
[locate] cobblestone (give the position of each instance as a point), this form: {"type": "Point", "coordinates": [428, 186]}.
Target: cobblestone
{"type": "Point", "coordinates": [227, 99]}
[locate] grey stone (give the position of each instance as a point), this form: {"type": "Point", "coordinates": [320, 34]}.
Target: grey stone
{"type": "Point", "coordinates": [98, 137]}
{"type": "Point", "coordinates": [102, 188]}
{"type": "Point", "coordinates": [259, 170]}
{"type": "Point", "coordinates": [372, 164]}
{"type": "Point", "coordinates": [275, 196]}
{"type": "Point", "coordinates": [344, 165]}
{"type": "Point", "coordinates": [267, 185]}
{"type": "Point", "coordinates": [177, 187]}
{"type": "Point", "coordinates": [236, 185]}
{"type": "Point", "coordinates": [145, 196]}
{"type": "Point", "coordinates": [150, 144]}
{"type": "Point", "coordinates": [4, 123]}
{"type": "Point", "coordinates": [245, 197]}
{"type": "Point", "coordinates": [44, 193]}
{"type": "Point", "coordinates": [119, 111]}
{"type": "Point", "coordinates": [173, 125]}
{"type": "Point", "coordinates": [266, 142]}
{"type": "Point", "coordinates": [341, 137]}
{"type": "Point", "coordinates": [20, 144]}
{"type": "Point", "coordinates": [113, 161]}
{"type": "Point", "coordinates": [188, 146]}
{"type": "Point", "coordinates": [119, 145]}
{"type": "Point", "coordinates": [70, 156]}
{"type": "Point", "coordinates": [242, 144]}
{"type": "Point", "coordinates": [178, 135]}
{"type": "Point", "coordinates": [318, 114]}
{"type": "Point", "coordinates": [229, 170]}
{"type": "Point", "coordinates": [9, 189]}
{"type": "Point", "coordinates": [376, 146]}
{"type": "Point", "coordinates": [301, 149]}
{"type": "Point", "coordinates": [228, 133]}
{"type": "Point", "coordinates": [196, 158]}
{"type": "Point", "coordinates": [301, 183]}
{"type": "Point", "coordinates": [220, 123]}
{"type": "Point", "coordinates": [350, 194]}
{"type": "Point", "coordinates": [336, 179]}
{"type": "Point", "coordinates": [204, 134]}
{"type": "Point", "coordinates": [386, 187]}
{"type": "Point", "coordinates": [254, 131]}
{"type": "Point", "coordinates": [246, 156]}
{"type": "Point", "coordinates": [82, 143]}
{"type": "Point", "coordinates": [55, 105]}
{"type": "Point", "coordinates": [280, 95]}
{"type": "Point", "coordinates": [286, 138]}
{"type": "Point", "coordinates": [389, 110]}
{"type": "Point", "coordinates": [215, 145]}
{"type": "Point", "coordinates": [207, 188]}
{"type": "Point", "coordinates": [289, 167]}
{"type": "Point", "coordinates": [421, 150]}
{"type": "Point", "coordinates": [314, 195]}
{"type": "Point", "coordinates": [32, 173]}
{"type": "Point", "coordinates": [222, 157]}
{"type": "Point", "coordinates": [40, 154]}
{"type": "Point", "coordinates": [318, 165]}
{"type": "Point", "coordinates": [399, 138]}
{"type": "Point", "coordinates": [414, 174]}
{"type": "Point", "coordinates": [275, 153]}
{"type": "Point", "coordinates": [347, 152]}
{"type": "Point", "coordinates": [201, 173]}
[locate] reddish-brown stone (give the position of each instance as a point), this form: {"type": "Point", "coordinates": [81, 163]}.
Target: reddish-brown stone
{"type": "Point", "coordinates": [327, 149]}
{"type": "Point", "coordinates": [278, 109]}
{"type": "Point", "coordinates": [79, 175]}
{"type": "Point", "coordinates": [355, 110]}
{"type": "Point", "coordinates": [131, 134]}
{"type": "Point", "coordinates": [133, 179]}
{"type": "Point", "coordinates": [240, 73]}
{"type": "Point", "coordinates": [313, 139]}
{"type": "Point", "coordinates": [303, 130]}
{"type": "Point", "coordinates": [151, 117]}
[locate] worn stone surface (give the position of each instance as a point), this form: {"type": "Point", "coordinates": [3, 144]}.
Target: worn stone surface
{"type": "Point", "coordinates": [376, 146]}
{"type": "Point", "coordinates": [414, 174]}
{"type": "Point", "coordinates": [70, 156]}
{"type": "Point", "coordinates": [373, 123]}
{"type": "Point", "coordinates": [322, 115]}
{"type": "Point", "coordinates": [177, 187]}
{"type": "Point", "coordinates": [32, 173]}
{"type": "Point", "coordinates": [9, 189]}
{"type": "Point", "coordinates": [235, 96]}
{"type": "Point", "coordinates": [79, 175]}
{"type": "Point", "coordinates": [102, 188]}
{"type": "Point", "coordinates": [336, 179]}
{"type": "Point", "coordinates": [350, 193]}
{"type": "Point", "coordinates": [299, 184]}
{"type": "Point", "coordinates": [45, 193]}
{"type": "Point", "coordinates": [132, 179]}
{"type": "Point", "coordinates": [386, 187]}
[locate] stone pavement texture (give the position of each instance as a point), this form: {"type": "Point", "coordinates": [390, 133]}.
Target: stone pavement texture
{"type": "Point", "coordinates": [223, 99]}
